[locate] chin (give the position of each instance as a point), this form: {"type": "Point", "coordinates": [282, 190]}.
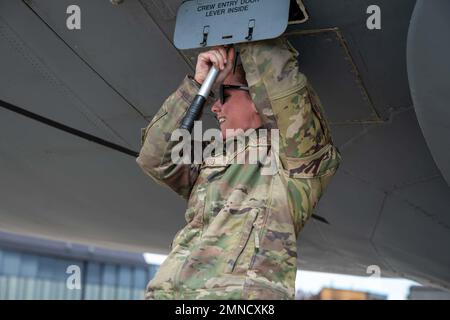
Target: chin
{"type": "Point", "coordinates": [224, 129]}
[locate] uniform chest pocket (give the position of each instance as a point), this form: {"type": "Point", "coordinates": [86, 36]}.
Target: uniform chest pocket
{"type": "Point", "coordinates": [246, 242]}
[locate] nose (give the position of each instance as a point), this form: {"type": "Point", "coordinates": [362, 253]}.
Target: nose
{"type": "Point", "coordinates": [216, 107]}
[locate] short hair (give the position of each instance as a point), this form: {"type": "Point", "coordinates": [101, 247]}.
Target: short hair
{"type": "Point", "coordinates": [239, 74]}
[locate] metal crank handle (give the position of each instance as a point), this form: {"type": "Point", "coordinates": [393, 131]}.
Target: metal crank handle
{"type": "Point", "coordinates": [198, 103]}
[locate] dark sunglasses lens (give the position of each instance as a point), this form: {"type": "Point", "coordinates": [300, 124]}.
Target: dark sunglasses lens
{"type": "Point", "coordinates": [222, 99]}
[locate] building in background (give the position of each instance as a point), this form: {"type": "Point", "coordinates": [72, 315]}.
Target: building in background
{"type": "Point", "coordinates": [337, 294]}
{"type": "Point", "coordinates": [32, 268]}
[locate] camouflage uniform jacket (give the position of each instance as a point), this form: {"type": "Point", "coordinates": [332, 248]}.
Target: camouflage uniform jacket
{"type": "Point", "coordinates": [242, 226]}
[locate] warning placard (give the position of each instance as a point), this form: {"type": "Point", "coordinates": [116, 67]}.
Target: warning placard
{"type": "Point", "coordinates": [226, 7]}
{"type": "Point", "coordinates": [204, 23]}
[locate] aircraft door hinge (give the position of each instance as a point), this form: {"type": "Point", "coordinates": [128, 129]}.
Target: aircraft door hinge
{"type": "Point", "coordinates": [251, 27]}
{"type": "Point", "coordinates": [205, 36]}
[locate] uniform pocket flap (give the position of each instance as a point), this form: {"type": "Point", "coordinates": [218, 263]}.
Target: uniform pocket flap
{"type": "Point", "coordinates": [319, 164]}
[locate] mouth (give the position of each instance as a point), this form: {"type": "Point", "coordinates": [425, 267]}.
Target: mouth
{"type": "Point", "coordinates": [221, 119]}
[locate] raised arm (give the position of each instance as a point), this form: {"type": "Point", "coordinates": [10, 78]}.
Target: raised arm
{"type": "Point", "coordinates": [287, 102]}
{"type": "Point", "coordinates": [155, 155]}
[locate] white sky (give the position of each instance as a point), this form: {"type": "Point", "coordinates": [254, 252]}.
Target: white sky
{"type": "Point", "coordinates": [393, 288]}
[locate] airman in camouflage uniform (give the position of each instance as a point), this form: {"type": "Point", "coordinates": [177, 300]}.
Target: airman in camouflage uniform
{"type": "Point", "coordinates": [242, 226]}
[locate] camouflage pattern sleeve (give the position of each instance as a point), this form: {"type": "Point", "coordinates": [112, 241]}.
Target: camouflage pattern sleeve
{"type": "Point", "coordinates": [286, 101]}
{"type": "Point", "coordinates": [155, 155]}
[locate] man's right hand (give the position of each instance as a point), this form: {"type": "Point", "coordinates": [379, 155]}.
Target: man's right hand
{"type": "Point", "coordinates": [220, 58]}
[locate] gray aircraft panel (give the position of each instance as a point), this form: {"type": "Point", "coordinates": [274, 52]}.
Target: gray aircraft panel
{"type": "Point", "coordinates": [28, 83]}
{"type": "Point", "coordinates": [332, 255]}
{"type": "Point", "coordinates": [60, 186]}
{"type": "Point", "coordinates": [387, 155]}
{"type": "Point", "coordinates": [352, 213]}
{"type": "Point", "coordinates": [164, 14]}
{"type": "Point", "coordinates": [412, 242]}
{"type": "Point", "coordinates": [429, 197]}
{"type": "Point", "coordinates": [370, 203]}
{"type": "Point", "coordinates": [346, 134]}
{"type": "Point", "coordinates": [135, 57]}
{"type": "Point", "coordinates": [429, 76]}
{"type": "Point", "coordinates": [329, 68]}
{"type": "Point", "coordinates": [378, 54]}
{"type": "Point", "coordinates": [52, 82]}
{"type": "Point", "coordinates": [359, 202]}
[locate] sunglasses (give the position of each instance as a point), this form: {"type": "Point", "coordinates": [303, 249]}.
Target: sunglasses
{"type": "Point", "coordinates": [224, 87]}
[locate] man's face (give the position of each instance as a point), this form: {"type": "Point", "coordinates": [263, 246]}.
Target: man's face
{"type": "Point", "coordinates": [238, 110]}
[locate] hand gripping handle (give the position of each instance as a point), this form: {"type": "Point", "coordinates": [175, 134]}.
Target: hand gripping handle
{"type": "Point", "coordinates": [198, 103]}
